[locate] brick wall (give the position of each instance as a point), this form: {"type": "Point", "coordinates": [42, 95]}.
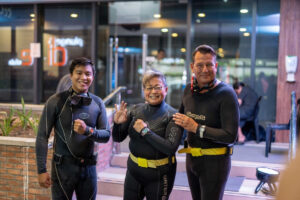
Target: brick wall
{"type": "Point", "coordinates": [18, 176]}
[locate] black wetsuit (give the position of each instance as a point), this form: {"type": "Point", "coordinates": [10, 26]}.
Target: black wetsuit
{"type": "Point", "coordinates": [218, 110]}
{"type": "Point", "coordinates": [161, 142]}
{"type": "Point", "coordinates": [74, 161]}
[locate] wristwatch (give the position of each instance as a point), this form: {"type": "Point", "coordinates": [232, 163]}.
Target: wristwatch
{"type": "Point", "coordinates": [144, 131]}
{"type": "Point", "coordinates": [201, 131]}
{"type": "Point", "coordinates": [89, 131]}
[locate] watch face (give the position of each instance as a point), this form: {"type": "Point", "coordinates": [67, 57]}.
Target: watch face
{"type": "Point", "coordinates": [144, 131]}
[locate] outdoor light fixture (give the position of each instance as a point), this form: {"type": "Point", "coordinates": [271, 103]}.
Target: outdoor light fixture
{"type": "Point", "coordinates": [267, 175]}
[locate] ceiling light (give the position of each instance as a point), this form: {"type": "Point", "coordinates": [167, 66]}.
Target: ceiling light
{"type": "Point", "coordinates": [74, 15]}
{"type": "Point", "coordinates": [183, 50]}
{"type": "Point", "coordinates": [174, 34]}
{"type": "Point", "coordinates": [32, 15]}
{"type": "Point", "coordinates": [243, 29]}
{"type": "Point", "coordinates": [164, 30]}
{"type": "Point", "coordinates": [157, 16]}
{"type": "Point", "coordinates": [243, 11]}
{"type": "Point", "coordinates": [201, 15]}
{"type": "Point", "coordinates": [246, 34]}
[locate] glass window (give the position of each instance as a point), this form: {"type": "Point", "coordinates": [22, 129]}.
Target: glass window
{"type": "Point", "coordinates": [66, 35]}
{"type": "Point", "coordinates": [16, 65]}
{"type": "Point", "coordinates": [267, 40]}
{"type": "Point", "coordinates": [164, 23]}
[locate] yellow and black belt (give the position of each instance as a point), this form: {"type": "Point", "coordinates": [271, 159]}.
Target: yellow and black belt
{"type": "Point", "coordinates": [207, 152]}
{"type": "Point", "coordinates": [143, 162]}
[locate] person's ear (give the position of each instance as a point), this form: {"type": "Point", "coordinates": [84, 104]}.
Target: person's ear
{"type": "Point", "coordinates": [192, 67]}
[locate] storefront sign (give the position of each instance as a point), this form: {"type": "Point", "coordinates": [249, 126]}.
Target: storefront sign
{"type": "Point", "coordinates": [57, 52]}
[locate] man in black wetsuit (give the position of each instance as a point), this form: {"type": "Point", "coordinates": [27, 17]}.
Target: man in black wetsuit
{"type": "Point", "coordinates": [79, 119]}
{"type": "Point", "coordinates": [209, 112]}
{"type": "Point", "coordinates": [247, 99]}
{"type": "Point", "coordinates": [154, 139]}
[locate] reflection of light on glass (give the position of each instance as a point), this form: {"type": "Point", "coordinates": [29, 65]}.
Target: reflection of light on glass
{"type": "Point", "coordinates": [157, 16]}
{"type": "Point", "coordinates": [246, 34]}
{"type": "Point", "coordinates": [183, 50]}
{"type": "Point", "coordinates": [243, 29]}
{"type": "Point", "coordinates": [201, 15]}
{"type": "Point", "coordinates": [198, 21]}
{"type": "Point", "coordinates": [174, 34]}
{"type": "Point", "coordinates": [74, 15]}
{"type": "Point", "coordinates": [164, 30]}
{"type": "Point", "coordinates": [268, 29]}
{"type": "Point", "coordinates": [243, 11]}
{"type": "Point", "coordinates": [32, 15]}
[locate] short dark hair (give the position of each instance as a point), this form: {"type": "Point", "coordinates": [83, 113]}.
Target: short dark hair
{"type": "Point", "coordinates": [82, 61]}
{"type": "Point", "coordinates": [204, 49]}
{"type": "Point", "coordinates": [153, 74]}
{"type": "Point", "coordinates": [236, 85]}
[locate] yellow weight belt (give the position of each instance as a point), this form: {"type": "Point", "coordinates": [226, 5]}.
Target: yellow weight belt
{"type": "Point", "coordinates": [209, 152]}
{"type": "Point", "coordinates": [143, 162]}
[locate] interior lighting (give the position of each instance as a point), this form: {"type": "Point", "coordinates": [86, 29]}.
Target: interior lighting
{"type": "Point", "coordinates": [246, 34]}
{"type": "Point", "coordinates": [157, 16]}
{"type": "Point", "coordinates": [174, 34]}
{"type": "Point", "coordinates": [266, 175]}
{"type": "Point", "coordinates": [183, 50]}
{"type": "Point", "coordinates": [32, 19]}
{"type": "Point", "coordinates": [32, 15]}
{"type": "Point", "coordinates": [243, 29]}
{"type": "Point", "coordinates": [198, 21]}
{"type": "Point", "coordinates": [164, 30]}
{"type": "Point", "coordinates": [201, 15]}
{"type": "Point", "coordinates": [74, 15]}
{"type": "Point", "coordinates": [244, 11]}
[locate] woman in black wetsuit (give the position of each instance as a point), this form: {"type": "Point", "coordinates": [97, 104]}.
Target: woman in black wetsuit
{"type": "Point", "coordinates": [154, 139]}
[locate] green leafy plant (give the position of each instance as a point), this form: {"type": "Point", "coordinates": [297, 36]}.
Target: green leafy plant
{"type": "Point", "coordinates": [24, 115]}
{"type": "Point", "coordinates": [33, 123]}
{"type": "Point", "coordinates": [7, 124]}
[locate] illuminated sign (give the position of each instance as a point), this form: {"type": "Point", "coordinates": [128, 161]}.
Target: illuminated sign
{"type": "Point", "coordinates": [57, 52]}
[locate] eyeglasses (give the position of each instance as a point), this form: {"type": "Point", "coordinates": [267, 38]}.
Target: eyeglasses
{"type": "Point", "coordinates": [201, 66]}
{"type": "Point", "coordinates": [156, 88]}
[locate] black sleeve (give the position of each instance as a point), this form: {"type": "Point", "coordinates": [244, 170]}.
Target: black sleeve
{"type": "Point", "coordinates": [249, 99]}
{"type": "Point", "coordinates": [229, 116]}
{"type": "Point", "coordinates": [170, 143]}
{"type": "Point", "coordinates": [102, 131]}
{"type": "Point", "coordinates": [46, 124]}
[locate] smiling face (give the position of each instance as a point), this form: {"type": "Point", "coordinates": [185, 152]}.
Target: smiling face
{"type": "Point", "coordinates": [155, 91]}
{"type": "Point", "coordinates": [204, 68]}
{"type": "Point", "coordinates": [82, 78]}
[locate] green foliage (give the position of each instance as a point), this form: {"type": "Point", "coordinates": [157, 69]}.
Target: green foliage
{"type": "Point", "coordinates": [24, 115]}
{"type": "Point", "coordinates": [33, 123]}
{"type": "Point", "coordinates": [7, 124]}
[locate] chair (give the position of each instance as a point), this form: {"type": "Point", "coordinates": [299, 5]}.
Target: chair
{"type": "Point", "coordinates": [255, 120]}
{"type": "Point", "coordinates": [271, 128]}
{"type": "Point", "coordinates": [269, 134]}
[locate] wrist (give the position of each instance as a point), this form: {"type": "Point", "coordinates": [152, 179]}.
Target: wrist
{"type": "Point", "coordinates": [144, 131]}
{"type": "Point", "coordinates": [88, 131]}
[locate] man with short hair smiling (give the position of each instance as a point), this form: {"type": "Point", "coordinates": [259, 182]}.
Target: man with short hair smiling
{"type": "Point", "coordinates": [209, 112]}
{"type": "Point", "coordinates": [79, 120]}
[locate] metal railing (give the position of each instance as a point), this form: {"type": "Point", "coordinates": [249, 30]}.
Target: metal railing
{"type": "Point", "coordinates": [116, 93]}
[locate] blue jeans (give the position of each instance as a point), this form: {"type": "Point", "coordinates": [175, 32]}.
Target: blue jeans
{"type": "Point", "coordinates": [68, 177]}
